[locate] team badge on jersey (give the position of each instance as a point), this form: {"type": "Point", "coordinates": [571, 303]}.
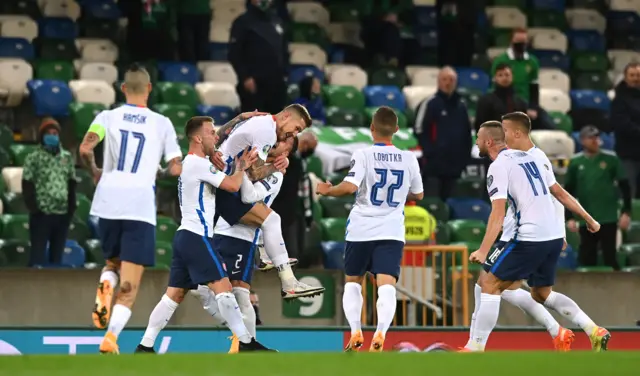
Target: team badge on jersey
{"type": "Point", "coordinates": [213, 169]}
{"type": "Point", "coordinates": [266, 149]}
{"type": "Point", "coordinates": [273, 179]}
{"type": "Point", "coordinates": [489, 180]}
{"type": "Point", "coordinates": [353, 163]}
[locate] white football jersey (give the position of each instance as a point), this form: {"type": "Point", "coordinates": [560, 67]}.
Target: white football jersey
{"type": "Point", "coordinates": [135, 139]}
{"type": "Point", "coordinates": [509, 226]}
{"type": "Point", "coordinates": [524, 182]}
{"type": "Point", "coordinates": [196, 194]}
{"type": "Point", "coordinates": [264, 190]}
{"type": "Point", "coordinates": [384, 176]}
{"type": "Point", "coordinates": [258, 132]}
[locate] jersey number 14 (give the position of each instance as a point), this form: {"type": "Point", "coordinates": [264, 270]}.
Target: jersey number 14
{"type": "Point", "coordinates": [123, 150]}
{"type": "Point", "coordinates": [380, 184]}
{"type": "Point", "coordinates": [532, 172]}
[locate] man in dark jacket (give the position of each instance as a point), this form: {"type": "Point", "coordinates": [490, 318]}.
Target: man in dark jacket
{"type": "Point", "coordinates": [501, 100]}
{"type": "Point", "coordinates": [443, 131]}
{"type": "Point", "coordinates": [259, 54]}
{"type": "Point", "coordinates": [625, 121]}
{"type": "Point", "coordinates": [49, 192]}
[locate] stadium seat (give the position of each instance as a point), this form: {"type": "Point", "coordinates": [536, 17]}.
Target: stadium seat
{"type": "Point", "coordinates": [554, 79]}
{"type": "Point", "coordinates": [308, 33]}
{"type": "Point", "coordinates": [336, 207]}
{"type": "Point", "coordinates": [632, 235]}
{"type": "Point", "coordinates": [589, 99]}
{"type": "Point", "coordinates": [473, 79]}
{"type": "Point", "coordinates": [308, 12]}
{"type": "Point", "coordinates": [54, 49]}
{"type": "Point", "coordinates": [568, 259]}
{"type": "Point", "coordinates": [15, 226]}
{"type": "Point", "coordinates": [598, 81]}
{"type": "Point", "coordinates": [553, 59]}
{"type": "Point", "coordinates": [13, 203]}
{"type": "Point", "coordinates": [620, 58]}
{"type": "Point", "coordinates": [179, 73]}
{"type": "Point", "coordinates": [554, 100]}
{"type": "Point", "coordinates": [226, 12]}
{"type": "Point", "coordinates": [562, 121]}
{"type": "Point", "coordinates": [341, 117]}
{"type": "Point", "coordinates": [79, 230]}
{"type": "Point", "coordinates": [300, 72]}
{"type": "Point", "coordinates": [82, 114]}
{"type": "Point", "coordinates": [314, 166]}
{"type": "Point", "coordinates": [423, 76]}
{"type": "Point", "coordinates": [20, 8]}
{"type": "Point", "coordinates": [60, 70]}
{"type": "Point", "coordinates": [307, 54]}
{"type": "Point", "coordinates": [19, 153]}
{"type": "Point", "coordinates": [85, 183]}
{"type": "Point", "coordinates": [93, 251]}
{"type": "Point", "coordinates": [105, 9]}
{"type": "Point", "coordinates": [467, 230]}
{"type": "Point", "coordinates": [469, 208]}
{"type": "Point", "coordinates": [58, 28]}
{"type": "Point", "coordinates": [442, 233]}
{"type": "Point", "coordinates": [220, 72]}
{"type": "Point", "coordinates": [376, 96]}
{"type": "Point", "coordinates": [540, 18]}
{"type": "Point", "coordinates": [345, 33]}
{"type": "Point", "coordinates": [436, 207]}
{"type": "Point", "coordinates": [220, 114]}
{"type": "Point", "coordinates": [93, 91]}
{"type": "Point", "coordinates": [18, 48]}
{"type": "Point", "coordinates": [73, 255]}
{"type": "Point", "coordinates": [333, 255]}
{"type": "Point", "coordinates": [586, 19]}
{"type": "Point", "coordinates": [414, 95]}
{"type": "Point", "coordinates": [635, 208]}
{"type": "Point", "coordinates": [594, 269]}
{"type": "Point", "coordinates": [550, 40]}
{"type": "Point", "coordinates": [333, 229]}
{"type": "Point", "coordinates": [219, 34]}
{"type": "Point", "coordinates": [345, 97]}
{"type": "Point", "coordinates": [177, 93]}
{"type": "Point", "coordinates": [164, 254]}
{"type": "Point", "coordinates": [586, 40]}
{"type": "Point", "coordinates": [50, 97]}
{"type": "Point", "coordinates": [14, 75]}
{"type": "Point", "coordinates": [344, 12]}
{"type": "Point", "coordinates": [470, 187]}
{"type": "Point", "coordinates": [403, 122]}
{"type": "Point", "coordinates": [348, 76]}
{"type": "Point", "coordinates": [177, 113]}
{"type": "Point", "coordinates": [11, 179]}
{"type": "Point", "coordinates": [61, 8]}
{"type": "Point", "coordinates": [388, 77]}
{"type": "Point", "coordinates": [16, 251]}
{"type": "Point", "coordinates": [99, 71]}
{"type": "Point", "coordinates": [165, 229]}
{"type": "Point", "coordinates": [632, 253]}
{"type": "Point", "coordinates": [218, 94]}
{"type": "Point", "coordinates": [83, 207]}
{"type": "Point", "coordinates": [19, 28]}
{"type": "Point", "coordinates": [590, 62]}
{"type": "Point", "coordinates": [100, 51]}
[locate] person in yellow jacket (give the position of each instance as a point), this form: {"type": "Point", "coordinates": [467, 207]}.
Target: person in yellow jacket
{"type": "Point", "coordinates": [419, 224]}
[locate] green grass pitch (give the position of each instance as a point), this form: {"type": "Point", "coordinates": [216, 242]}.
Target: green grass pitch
{"type": "Point", "coordinates": [323, 364]}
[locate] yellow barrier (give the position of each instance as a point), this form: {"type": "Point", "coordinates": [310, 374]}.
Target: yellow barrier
{"type": "Point", "coordinates": [438, 274]}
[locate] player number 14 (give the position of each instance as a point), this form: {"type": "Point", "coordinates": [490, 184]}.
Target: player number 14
{"type": "Point", "coordinates": [533, 172]}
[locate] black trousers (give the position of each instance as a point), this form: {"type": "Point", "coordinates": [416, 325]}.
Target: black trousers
{"type": "Point", "coordinates": [48, 228]}
{"type": "Point", "coordinates": [193, 37]}
{"type": "Point", "coordinates": [269, 96]}
{"type": "Point", "coordinates": [604, 239]}
{"type": "Point", "coordinates": [440, 186]}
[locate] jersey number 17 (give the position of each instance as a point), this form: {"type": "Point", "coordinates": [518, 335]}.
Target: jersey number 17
{"type": "Point", "coordinates": [123, 150]}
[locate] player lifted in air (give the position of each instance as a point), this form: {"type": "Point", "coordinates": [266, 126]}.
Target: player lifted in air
{"type": "Point", "coordinates": [532, 253]}
{"type": "Point", "coordinates": [195, 261]}
{"type": "Point", "coordinates": [135, 139]}
{"type": "Point", "coordinates": [383, 178]}
{"type": "Point", "coordinates": [262, 132]}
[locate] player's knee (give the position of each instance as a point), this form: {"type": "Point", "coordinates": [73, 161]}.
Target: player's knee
{"type": "Point", "coordinates": [385, 279]}
{"type": "Point", "coordinates": [205, 296]}
{"type": "Point", "coordinates": [491, 285]}
{"type": "Point", "coordinates": [540, 295]}
{"type": "Point", "coordinates": [221, 286]}
{"type": "Point", "coordinates": [354, 279]}
{"type": "Point", "coordinates": [175, 294]}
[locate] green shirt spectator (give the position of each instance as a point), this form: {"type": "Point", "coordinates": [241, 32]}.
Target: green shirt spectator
{"type": "Point", "coordinates": [194, 7]}
{"type": "Point", "coordinates": [524, 66]}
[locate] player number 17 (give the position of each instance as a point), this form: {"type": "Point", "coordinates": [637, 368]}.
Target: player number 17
{"type": "Point", "coordinates": [532, 172]}
{"type": "Point", "coordinates": [383, 174]}
{"type": "Point", "coordinates": [123, 150]}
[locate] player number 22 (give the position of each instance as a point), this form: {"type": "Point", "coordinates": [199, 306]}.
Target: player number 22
{"type": "Point", "coordinates": [123, 150]}
{"type": "Point", "coordinates": [383, 174]}
{"type": "Point", "coordinates": [532, 172]}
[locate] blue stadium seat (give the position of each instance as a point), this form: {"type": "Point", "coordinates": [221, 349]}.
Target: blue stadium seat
{"type": "Point", "coordinates": [93, 226]}
{"type": "Point", "coordinates": [469, 208]}
{"type": "Point", "coordinates": [333, 255]}
{"type": "Point", "coordinates": [102, 10]}
{"type": "Point", "coordinates": [17, 48]}
{"type": "Point", "coordinates": [558, 5]}
{"type": "Point", "coordinates": [218, 51]}
{"type": "Point", "coordinates": [220, 114]}
{"type": "Point", "coordinates": [179, 72]}
{"type": "Point", "coordinates": [552, 59]}
{"type": "Point", "coordinates": [426, 16]}
{"type": "Point", "coordinates": [623, 23]}
{"type": "Point", "coordinates": [591, 99]}
{"type": "Point", "coordinates": [50, 97]}
{"type": "Point", "coordinates": [391, 96]}
{"type": "Point", "coordinates": [586, 40]}
{"type": "Point", "coordinates": [58, 28]}
{"type": "Point", "coordinates": [482, 21]}
{"type": "Point", "coordinates": [299, 72]}
{"type": "Point", "coordinates": [576, 142]}
{"type": "Point", "coordinates": [608, 141]}
{"type": "Point", "coordinates": [473, 78]}
{"type": "Point", "coordinates": [568, 259]}
{"type": "Point", "coordinates": [427, 38]}
{"type": "Point", "coordinates": [337, 54]}
{"type": "Point", "coordinates": [74, 255]}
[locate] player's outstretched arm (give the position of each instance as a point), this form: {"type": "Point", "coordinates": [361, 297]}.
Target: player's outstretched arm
{"type": "Point", "coordinates": [569, 202]}
{"type": "Point", "coordinates": [494, 226]}
{"type": "Point", "coordinates": [345, 188]}
{"type": "Point", "coordinates": [232, 183]}
{"type": "Point", "coordinates": [174, 168]}
{"type": "Point", "coordinates": [223, 131]}
{"type": "Point", "coordinates": [89, 143]}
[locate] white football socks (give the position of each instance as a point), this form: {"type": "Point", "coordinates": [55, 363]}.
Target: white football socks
{"type": "Point", "coordinates": [352, 305]}
{"type": "Point", "coordinates": [523, 300]}
{"type": "Point", "coordinates": [230, 311]}
{"type": "Point", "coordinates": [276, 250]}
{"type": "Point", "coordinates": [158, 319]}
{"type": "Point", "coordinates": [110, 276]}
{"type": "Point", "coordinates": [566, 307]}
{"type": "Point", "coordinates": [477, 292]}
{"type": "Point", "coordinates": [243, 297]}
{"type": "Point", "coordinates": [120, 315]}
{"type": "Point", "coordinates": [208, 300]}
{"type": "Point", "coordinates": [386, 307]}
{"type": "Point", "coordinates": [486, 319]}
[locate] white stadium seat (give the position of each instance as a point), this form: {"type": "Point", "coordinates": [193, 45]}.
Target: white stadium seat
{"type": "Point", "coordinates": [550, 40]}
{"type": "Point", "coordinates": [99, 51]}
{"type": "Point", "coordinates": [554, 79]}
{"type": "Point", "coordinates": [625, 5]}
{"type": "Point", "coordinates": [99, 71]}
{"type": "Point", "coordinates": [345, 33]}
{"type": "Point", "coordinates": [12, 177]}
{"type": "Point", "coordinates": [309, 12]}
{"type": "Point", "coordinates": [508, 18]}
{"type": "Point", "coordinates": [218, 94]}
{"type": "Point", "coordinates": [620, 58]}
{"type": "Point", "coordinates": [424, 3]}
{"type": "Point", "coordinates": [60, 8]}
{"type": "Point", "coordinates": [19, 28]}
{"type": "Point", "coordinates": [586, 19]}
{"type": "Point", "coordinates": [93, 91]}
{"type": "Point", "coordinates": [221, 3]}
{"type": "Point", "coordinates": [220, 33]}
{"type": "Point", "coordinates": [554, 100]}
{"type": "Point", "coordinates": [556, 144]}
{"type": "Point", "coordinates": [309, 54]}
{"type": "Point", "coordinates": [416, 94]}
{"type": "Point", "coordinates": [330, 68]}
{"type": "Point", "coordinates": [14, 75]}
{"type": "Point", "coordinates": [427, 76]}
{"type": "Point", "coordinates": [227, 12]}
{"type": "Point", "coordinates": [493, 52]}
{"type": "Point", "coordinates": [349, 76]}
{"type": "Point", "coordinates": [220, 72]}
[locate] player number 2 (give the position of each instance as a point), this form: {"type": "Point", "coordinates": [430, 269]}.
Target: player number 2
{"type": "Point", "coordinates": [383, 174]}
{"type": "Point", "coordinates": [532, 172]}
{"type": "Point", "coordinates": [123, 150]}
{"type": "Point", "coordinates": [238, 261]}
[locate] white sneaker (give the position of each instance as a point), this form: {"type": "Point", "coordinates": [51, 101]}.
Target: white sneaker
{"type": "Point", "coordinates": [300, 290]}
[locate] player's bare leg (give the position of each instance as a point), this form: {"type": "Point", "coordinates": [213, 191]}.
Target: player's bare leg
{"type": "Point", "coordinates": [159, 318]}
{"type": "Point", "coordinates": [385, 308]}
{"type": "Point", "coordinates": [568, 309]}
{"type": "Point", "coordinates": [104, 294]}
{"type": "Point", "coordinates": [262, 216]}
{"type": "Point", "coordinates": [352, 305]}
{"type": "Point", "coordinates": [130, 277]}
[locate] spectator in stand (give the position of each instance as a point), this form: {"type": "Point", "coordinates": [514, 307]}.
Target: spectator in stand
{"type": "Point", "coordinates": [382, 39]}
{"type": "Point", "coordinates": [443, 130]}
{"type": "Point", "coordinates": [311, 98]}
{"type": "Point", "coordinates": [501, 100]}
{"type": "Point", "coordinates": [194, 23]}
{"type": "Point", "coordinates": [524, 67]}
{"type": "Point", "coordinates": [625, 121]}
{"type": "Point", "coordinates": [456, 24]}
{"type": "Point", "coordinates": [596, 178]}
{"type": "Point", "coordinates": [49, 191]}
{"type": "Point", "coordinates": [259, 54]}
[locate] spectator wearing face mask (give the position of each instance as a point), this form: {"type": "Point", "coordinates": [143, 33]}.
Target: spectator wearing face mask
{"type": "Point", "coordinates": [49, 191]}
{"type": "Point", "coordinates": [311, 99]}
{"type": "Point", "coordinates": [524, 66]}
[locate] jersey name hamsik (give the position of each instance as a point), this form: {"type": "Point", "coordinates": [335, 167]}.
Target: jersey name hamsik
{"type": "Point", "coordinates": [135, 138]}
{"type": "Point", "coordinates": [524, 182]}
{"type": "Point", "coordinates": [509, 226]}
{"type": "Point", "coordinates": [384, 176]}
{"type": "Point", "coordinates": [196, 194]}
{"type": "Point", "coordinates": [258, 132]}
{"type": "Point", "coordinates": [264, 190]}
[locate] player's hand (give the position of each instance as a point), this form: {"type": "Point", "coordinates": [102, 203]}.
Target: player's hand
{"type": "Point", "coordinates": [250, 85]}
{"type": "Point", "coordinates": [323, 188]}
{"type": "Point", "coordinates": [624, 222]}
{"type": "Point", "coordinates": [533, 114]}
{"type": "Point", "coordinates": [217, 161]}
{"type": "Point", "coordinates": [248, 158]}
{"type": "Point", "coordinates": [478, 257]}
{"type": "Point", "coordinates": [593, 226]}
{"type": "Point", "coordinates": [249, 115]}
{"type": "Point", "coordinates": [97, 174]}
{"type": "Point", "coordinates": [572, 225]}
{"type": "Point", "coordinates": [281, 163]}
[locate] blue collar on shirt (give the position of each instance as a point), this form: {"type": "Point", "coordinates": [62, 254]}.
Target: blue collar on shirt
{"type": "Point", "coordinates": [502, 150]}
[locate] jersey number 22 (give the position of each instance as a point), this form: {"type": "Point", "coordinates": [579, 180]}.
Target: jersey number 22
{"type": "Point", "coordinates": [383, 174]}
{"type": "Point", "coordinates": [123, 150]}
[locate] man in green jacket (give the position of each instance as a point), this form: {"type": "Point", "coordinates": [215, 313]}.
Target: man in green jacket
{"type": "Point", "coordinates": [525, 66]}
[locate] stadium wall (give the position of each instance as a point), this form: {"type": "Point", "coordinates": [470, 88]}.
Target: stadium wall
{"type": "Point", "coordinates": [63, 298]}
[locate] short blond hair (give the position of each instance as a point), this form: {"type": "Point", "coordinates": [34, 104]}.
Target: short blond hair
{"type": "Point", "coordinates": [136, 79]}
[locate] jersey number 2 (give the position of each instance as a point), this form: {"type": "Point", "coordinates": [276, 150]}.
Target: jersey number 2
{"type": "Point", "coordinates": [123, 150]}
{"type": "Point", "coordinates": [532, 172]}
{"type": "Point", "coordinates": [383, 173]}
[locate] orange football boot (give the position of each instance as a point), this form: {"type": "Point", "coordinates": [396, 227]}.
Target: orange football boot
{"type": "Point", "coordinates": [377, 343]}
{"type": "Point", "coordinates": [102, 309]}
{"type": "Point", "coordinates": [109, 344]}
{"type": "Point", "coordinates": [235, 345]}
{"type": "Point", "coordinates": [564, 339]}
{"type": "Point", "coordinates": [355, 343]}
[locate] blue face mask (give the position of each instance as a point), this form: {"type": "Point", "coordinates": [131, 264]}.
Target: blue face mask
{"type": "Point", "coordinates": [51, 140]}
